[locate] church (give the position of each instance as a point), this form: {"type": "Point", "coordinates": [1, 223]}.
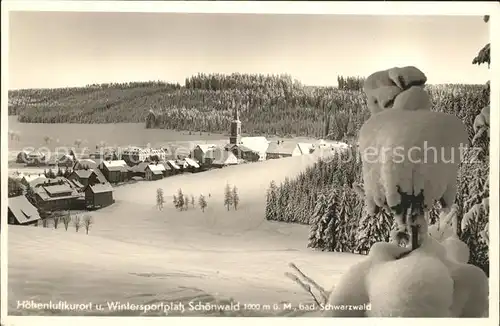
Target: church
{"type": "Point", "coordinates": [251, 149]}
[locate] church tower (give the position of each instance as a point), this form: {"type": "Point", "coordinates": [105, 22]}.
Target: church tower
{"type": "Point", "coordinates": [235, 137]}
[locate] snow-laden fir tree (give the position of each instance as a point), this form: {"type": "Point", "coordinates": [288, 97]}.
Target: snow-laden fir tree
{"type": "Point", "coordinates": [271, 201]}
{"type": "Point", "coordinates": [180, 200]}
{"type": "Point", "coordinates": [202, 202]}
{"type": "Point", "coordinates": [228, 197]}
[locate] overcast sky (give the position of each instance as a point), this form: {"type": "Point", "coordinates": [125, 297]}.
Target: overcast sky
{"type": "Point", "coordinates": [58, 49]}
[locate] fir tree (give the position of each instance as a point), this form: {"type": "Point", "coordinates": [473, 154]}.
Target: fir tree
{"type": "Point", "coordinates": [235, 197]}
{"type": "Point", "coordinates": [316, 239]}
{"type": "Point", "coordinates": [180, 200]}
{"type": "Point", "coordinates": [228, 197]}
{"type": "Point", "coordinates": [271, 201]}
{"type": "Point", "coordinates": [202, 202]}
{"type": "Point", "coordinates": [160, 200]}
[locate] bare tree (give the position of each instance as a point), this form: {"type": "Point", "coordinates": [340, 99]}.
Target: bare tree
{"type": "Point", "coordinates": [77, 222]}
{"type": "Point", "coordinates": [66, 220]}
{"type": "Point", "coordinates": [192, 201]}
{"type": "Point", "coordinates": [87, 222]}
{"type": "Point", "coordinates": [160, 199]}
{"type": "Point", "coordinates": [202, 202]}
{"type": "Point", "coordinates": [78, 143]}
{"type": "Point", "coordinates": [186, 202]}
{"type": "Point", "coordinates": [56, 217]}
{"type": "Point", "coordinates": [47, 139]}
{"type": "Point", "coordinates": [45, 222]}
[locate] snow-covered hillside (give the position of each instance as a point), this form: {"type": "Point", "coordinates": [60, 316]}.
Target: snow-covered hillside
{"type": "Point", "coordinates": [135, 253]}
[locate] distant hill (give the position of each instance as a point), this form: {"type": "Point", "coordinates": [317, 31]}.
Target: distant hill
{"type": "Point", "coordinates": [269, 105]}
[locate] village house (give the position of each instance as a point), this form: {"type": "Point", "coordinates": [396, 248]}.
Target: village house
{"type": "Point", "coordinates": [200, 151]}
{"type": "Point", "coordinates": [176, 169]}
{"type": "Point", "coordinates": [135, 155]}
{"type": "Point", "coordinates": [283, 149]}
{"type": "Point", "coordinates": [21, 211]}
{"type": "Point", "coordinates": [98, 196]}
{"type": "Point", "coordinates": [43, 180]}
{"type": "Point", "coordinates": [167, 168]}
{"type": "Point", "coordinates": [154, 172]}
{"type": "Point", "coordinates": [191, 165]}
{"type": "Point", "coordinates": [114, 171]}
{"type": "Point", "coordinates": [138, 170]}
{"type": "Point", "coordinates": [60, 195]}
{"type": "Point", "coordinates": [251, 149]}
{"type": "Point", "coordinates": [64, 160]}
{"type": "Point", "coordinates": [221, 158]}
{"type": "Point", "coordinates": [28, 178]}
{"type": "Point", "coordinates": [87, 176]}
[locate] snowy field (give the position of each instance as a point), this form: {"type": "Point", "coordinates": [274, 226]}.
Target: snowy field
{"type": "Point", "coordinates": [137, 254]}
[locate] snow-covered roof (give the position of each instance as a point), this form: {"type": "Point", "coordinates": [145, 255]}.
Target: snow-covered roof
{"type": "Point", "coordinates": [258, 144]}
{"type": "Point", "coordinates": [100, 188]}
{"type": "Point", "coordinates": [225, 158]}
{"type": "Point", "coordinates": [173, 164]}
{"type": "Point", "coordinates": [116, 165]}
{"type": "Point", "coordinates": [305, 148]}
{"type": "Point", "coordinates": [191, 162]}
{"type": "Point", "coordinates": [38, 181]}
{"type": "Point", "coordinates": [285, 147]}
{"type": "Point", "coordinates": [83, 174]}
{"type": "Point", "coordinates": [206, 147]}
{"type": "Point", "coordinates": [30, 177]}
{"type": "Point", "coordinates": [156, 168]}
{"type": "Point", "coordinates": [23, 210]}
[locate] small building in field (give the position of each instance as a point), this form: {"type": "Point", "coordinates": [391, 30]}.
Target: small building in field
{"type": "Point", "coordinates": [200, 151]}
{"type": "Point", "coordinates": [154, 172]}
{"type": "Point", "coordinates": [98, 196]}
{"type": "Point", "coordinates": [283, 149]}
{"type": "Point", "coordinates": [114, 171]}
{"type": "Point", "coordinates": [21, 211]}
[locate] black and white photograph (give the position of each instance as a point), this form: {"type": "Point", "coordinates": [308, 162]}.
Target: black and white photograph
{"type": "Point", "coordinates": [239, 164]}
